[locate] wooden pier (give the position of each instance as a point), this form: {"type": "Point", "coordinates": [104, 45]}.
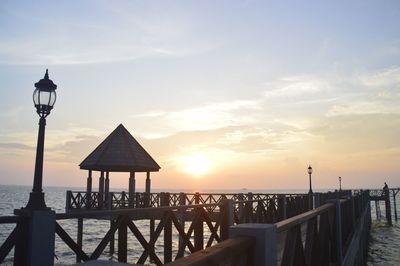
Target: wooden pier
{"type": "Point", "coordinates": [335, 232]}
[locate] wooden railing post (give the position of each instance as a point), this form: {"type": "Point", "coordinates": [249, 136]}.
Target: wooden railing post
{"type": "Point", "coordinates": [265, 252]}
{"type": "Point", "coordinates": [282, 207]}
{"type": "Point", "coordinates": [68, 200]}
{"type": "Point", "coordinates": [241, 207]}
{"type": "Point", "coordinates": [338, 232]}
{"type": "Point", "coordinates": [353, 215]}
{"type": "Point", "coordinates": [394, 203]}
{"type": "Point", "coordinates": [137, 200]}
{"type": "Point", "coordinates": [109, 197]}
{"type": "Point", "coordinates": [197, 198]}
{"type": "Point", "coordinates": [226, 211]}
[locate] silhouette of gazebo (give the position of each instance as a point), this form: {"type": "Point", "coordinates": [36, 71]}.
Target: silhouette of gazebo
{"type": "Point", "coordinates": [119, 152]}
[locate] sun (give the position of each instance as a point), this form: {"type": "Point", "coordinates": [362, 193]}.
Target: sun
{"type": "Point", "coordinates": [196, 164]}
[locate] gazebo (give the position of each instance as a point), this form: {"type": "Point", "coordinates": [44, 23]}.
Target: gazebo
{"type": "Point", "coordinates": [119, 152]}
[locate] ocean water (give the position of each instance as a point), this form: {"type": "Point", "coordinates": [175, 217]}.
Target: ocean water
{"type": "Point", "coordinates": [383, 250]}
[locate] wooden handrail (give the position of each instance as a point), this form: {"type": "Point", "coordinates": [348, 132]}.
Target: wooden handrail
{"type": "Point", "coordinates": [303, 217]}
{"type": "Point", "coordinates": [220, 254]}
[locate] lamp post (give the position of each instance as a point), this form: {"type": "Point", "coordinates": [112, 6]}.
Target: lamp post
{"type": "Point", "coordinates": [44, 98]}
{"type": "Point", "coordinates": [309, 170]}
{"type": "Point", "coordinates": [340, 183]}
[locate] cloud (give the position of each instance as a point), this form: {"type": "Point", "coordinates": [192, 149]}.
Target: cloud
{"type": "Point", "coordinates": [296, 86]}
{"type": "Point", "coordinates": [362, 108]}
{"type": "Point", "coordinates": [15, 145]}
{"type": "Point", "coordinates": [209, 116]}
{"type": "Point", "coordinates": [387, 78]}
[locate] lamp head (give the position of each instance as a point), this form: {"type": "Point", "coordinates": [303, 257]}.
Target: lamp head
{"type": "Point", "coordinates": [44, 96]}
{"type": "Point", "coordinates": [309, 170]}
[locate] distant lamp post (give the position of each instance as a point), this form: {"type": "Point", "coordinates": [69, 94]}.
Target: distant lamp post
{"type": "Point", "coordinates": [309, 170]}
{"type": "Point", "coordinates": [44, 98]}
{"type": "Point", "coordinates": [340, 183]}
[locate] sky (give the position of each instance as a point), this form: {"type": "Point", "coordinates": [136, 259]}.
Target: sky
{"type": "Point", "coordinates": [222, 94]}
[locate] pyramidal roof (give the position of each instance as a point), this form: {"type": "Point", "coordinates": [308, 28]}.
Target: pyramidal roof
{"type": "Point", "coordinates": [120, 152]}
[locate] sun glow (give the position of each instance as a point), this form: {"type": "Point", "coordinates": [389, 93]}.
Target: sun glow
{"type": "Point", "coordinates": [196, 164]}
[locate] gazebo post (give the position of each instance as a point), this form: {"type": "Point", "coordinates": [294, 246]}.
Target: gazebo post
{"type": "Point", "coordinates": [101, 189]}
{"type": "Point", "coordinates": [88, 189]}
{"type": "Point", "coordinates": [148, 184]}
{"type": "Point", "coordinates": [107, 188]}
{"type": "Point", "coordinates": [132, 185]}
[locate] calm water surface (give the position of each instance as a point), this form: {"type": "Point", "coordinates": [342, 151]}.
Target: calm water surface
{"type": "Point", "coordinates": [384, 249]}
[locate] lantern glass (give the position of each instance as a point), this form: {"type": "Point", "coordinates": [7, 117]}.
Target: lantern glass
{"type": "Point", "coordinates": [44, 100]}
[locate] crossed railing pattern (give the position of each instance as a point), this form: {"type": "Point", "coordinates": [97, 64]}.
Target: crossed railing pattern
{"type": "Point", "coordinates": [216, 217]}
{"type": "Point", "coordinates": [114, 200]}
{"type": "Point", "coordinates": [192, 239]}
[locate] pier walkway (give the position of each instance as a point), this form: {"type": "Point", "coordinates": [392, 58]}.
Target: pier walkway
{"type": "Point", "coordinates": [197, 229]}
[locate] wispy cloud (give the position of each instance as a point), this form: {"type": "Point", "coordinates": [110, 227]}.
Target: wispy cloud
{"type": "Point", "coordinates": [209, 116]}
{"type": "Point", "coordinates": [15, 145]}
{"type": "Point", "coordinates": [387, 78]}
{"type": "Point", "coordinates": [296, 86]}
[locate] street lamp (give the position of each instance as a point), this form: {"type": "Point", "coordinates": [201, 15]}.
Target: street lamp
{"type": "Point", "coordinates": [309, 170]}
{"type": "Point", "coordinates": [44, 98]}
{"type": "Point", "coordinates": [340, 183]}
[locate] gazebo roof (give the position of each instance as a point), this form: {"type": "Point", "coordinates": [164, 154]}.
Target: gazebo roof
{"type": "Point", "coordinates": [120, 152]}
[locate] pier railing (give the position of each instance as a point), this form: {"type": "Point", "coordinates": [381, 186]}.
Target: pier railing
{"type": "Point", "coordinates": [335, 233]}
{"type": "Point", "coordinates": [195, 226]}
{"type": "Point", "coordinates": [198, 226]}
{"type": "Point", "coordinates": [78, 200]}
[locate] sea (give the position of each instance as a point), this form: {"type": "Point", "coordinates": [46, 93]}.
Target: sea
{"type": "Point", "coordinates": [383, 245]}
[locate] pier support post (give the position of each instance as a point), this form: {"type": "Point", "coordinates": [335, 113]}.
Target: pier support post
{"type": "Point", "coordinates": [122, 240]}
{"type": "Point", "coordinates": [378, 210]}
{"type": "Point", "coordinates": [182, 202]}
{"type": "Point", "coordinates": [394, 203]}
{"type": "Point", "coordinates": [152, 227]}
{"type": "Point", "coordinates": [167, 231]}
{"type": "Point", "coordinates": [265, 253]}
{"type": "Point", "coordinates": [388, 208]}
{"type": "Point", "coordinates": [198, 230]}
{"type": "Point", "coordinates": [112, 241]}
{"type": "Point", "coordinates": [79, 236]}
{"type": "Point", "coordinates": [37, 245]}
